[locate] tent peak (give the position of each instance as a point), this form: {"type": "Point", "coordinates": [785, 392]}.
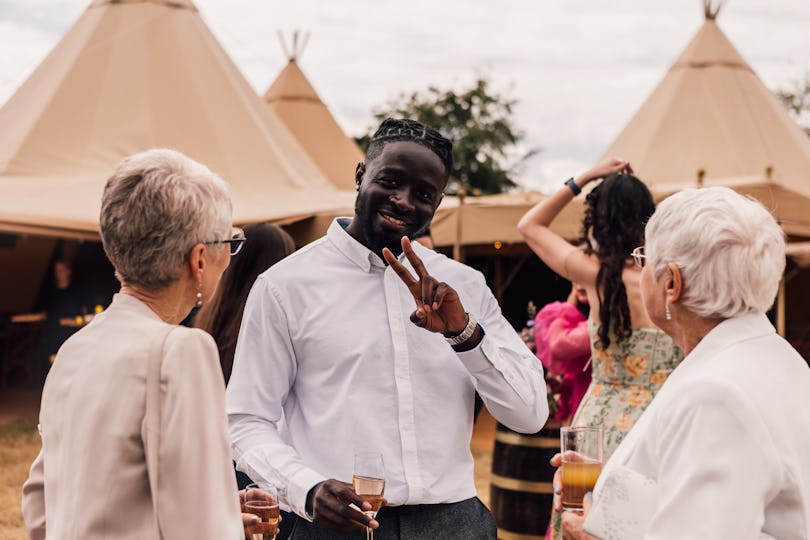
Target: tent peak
{"type": "Point", "coordinates": [175, 4]}
{"type": "Point", "coordinates": [712, 8]}
{"type": "Point", "coordinates": [296, 48]}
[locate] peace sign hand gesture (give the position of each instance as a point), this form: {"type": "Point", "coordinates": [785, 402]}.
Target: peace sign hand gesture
{"type": "Point", "coordinates": [438, 307]}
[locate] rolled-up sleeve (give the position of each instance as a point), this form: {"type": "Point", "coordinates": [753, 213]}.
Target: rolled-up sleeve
{"type": "Point", "coordinates": [265, 353]}
{"type": "Point", "coordinates": [508, 377]}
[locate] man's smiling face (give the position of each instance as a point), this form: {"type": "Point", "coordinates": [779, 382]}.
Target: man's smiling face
{"type": "Point", "coordinates": [398, 193]}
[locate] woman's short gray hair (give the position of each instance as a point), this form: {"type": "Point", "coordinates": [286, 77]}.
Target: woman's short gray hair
{"type": "Point", "coordinates": [156, 206]}
{"type": "Point", "coordinates": [730, 250]}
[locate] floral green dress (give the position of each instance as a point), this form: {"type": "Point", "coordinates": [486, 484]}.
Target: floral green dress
{"type": "Point", "coordinates": [624, 379]}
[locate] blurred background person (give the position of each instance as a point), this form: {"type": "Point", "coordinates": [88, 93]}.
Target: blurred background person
{"type": "Point", "coordinates": [631, 357]}
{"type": "Point", "coordinates": [265, 245]}
{"type": "Point", "coordinates": [564, 346]}
{"type": "Point", "coordinates": [166, 227]}
{"type": "Point", "coordinates": [59, 300]}
{"type": "Point", "coordinates": [722, 451]}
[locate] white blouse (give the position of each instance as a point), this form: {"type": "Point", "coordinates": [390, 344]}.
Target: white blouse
{"type": "Point", "coordinates": [723, 451]}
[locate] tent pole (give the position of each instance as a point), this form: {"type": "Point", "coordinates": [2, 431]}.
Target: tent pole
{"type": "Point", "coordinates": [459, 212]}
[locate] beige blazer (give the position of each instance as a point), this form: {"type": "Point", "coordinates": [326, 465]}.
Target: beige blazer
{"type": "Point", "coordinates": [89, 480]}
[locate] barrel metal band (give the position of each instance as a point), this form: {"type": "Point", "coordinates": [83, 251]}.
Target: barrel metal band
{"type": "Point", "coordinates": [521, 485]}
{"type": "Point", "coordinates": [509, 535]}
{"type": "Point", "coordinates": [522, 440]}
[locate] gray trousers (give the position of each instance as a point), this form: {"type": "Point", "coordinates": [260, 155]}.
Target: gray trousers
{"type": "Point", "coordinates": [465, 520]}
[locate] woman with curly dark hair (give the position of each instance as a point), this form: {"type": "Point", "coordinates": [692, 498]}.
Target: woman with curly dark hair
{"type": "Point", "coordinates": [631, 357]}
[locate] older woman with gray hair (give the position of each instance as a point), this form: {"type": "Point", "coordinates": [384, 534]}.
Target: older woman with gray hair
{"type": "Point", "coordinates": [166, 227]}
{"type": "Point", "coordinates": [723, 450]}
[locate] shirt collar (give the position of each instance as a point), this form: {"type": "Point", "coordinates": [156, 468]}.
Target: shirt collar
{"type": "Point", "coordinates": [729, 332]}
{"type": "Point", "coordinates": [351, 248]}
{"type": "Point", "coordinates": [360, 254]}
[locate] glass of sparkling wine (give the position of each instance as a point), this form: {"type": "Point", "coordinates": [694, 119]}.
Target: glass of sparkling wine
{"type": "Point", "coordinates": [369, 483]}
{"type": "Point", "coordinates": [262, 501]}
{"type": "Point", "coordinates": [582, 459]}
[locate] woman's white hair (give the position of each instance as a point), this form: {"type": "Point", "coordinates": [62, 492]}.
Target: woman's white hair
{"type": "Point", "coordinates": [156, 206]}
{"type": "Point", "coordinates": [730, 250]}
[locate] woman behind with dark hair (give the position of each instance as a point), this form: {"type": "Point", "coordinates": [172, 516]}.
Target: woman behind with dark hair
{"type": "Point", "coordinates": [631, 358]}
{"type": "Point", "coordinates": [615, 214]}
{"type": "Point", "coordinates": [265, 245]}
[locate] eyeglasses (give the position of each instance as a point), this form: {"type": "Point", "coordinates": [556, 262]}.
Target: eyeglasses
{"type": "Point", "coordinates": [236, 241]}
{"type": "Point", "coordinates": [638, 256]}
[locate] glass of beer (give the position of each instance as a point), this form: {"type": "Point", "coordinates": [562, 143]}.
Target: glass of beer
{"type": "Point", "coordinates": [582, 458]}
{"type": "Point", "coordinates": [262, 501]}
{"type": "Point", "coordinates": [368, 481]}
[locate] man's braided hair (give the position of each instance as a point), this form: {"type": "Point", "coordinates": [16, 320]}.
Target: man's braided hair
{"type": "Point", "coordinates": [394, 130]}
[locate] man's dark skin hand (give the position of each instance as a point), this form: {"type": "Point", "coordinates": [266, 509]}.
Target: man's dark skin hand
{"type": "Point", "coordinates": [438, 307]}
{"type": "Point", "coordinates": [328, 504]}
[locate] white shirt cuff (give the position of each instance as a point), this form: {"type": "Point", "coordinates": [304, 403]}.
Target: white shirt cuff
{"type": "Point", "coordinates": [476, 360]}
{"type": "Point", "coordinates": [299, 487]}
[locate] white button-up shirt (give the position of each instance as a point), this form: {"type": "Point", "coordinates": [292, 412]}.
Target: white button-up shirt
{"type": "Point", "coordinates": [328, 363]}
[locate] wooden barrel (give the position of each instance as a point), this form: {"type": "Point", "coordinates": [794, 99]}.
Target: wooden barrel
{"type": "Point", "coordinates": [521, 490]}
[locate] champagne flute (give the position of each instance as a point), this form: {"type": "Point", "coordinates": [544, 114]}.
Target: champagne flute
{"type": "Point", "coordinates": [368, 481]}
{"type": "Point", "coordinates": [262, 501]}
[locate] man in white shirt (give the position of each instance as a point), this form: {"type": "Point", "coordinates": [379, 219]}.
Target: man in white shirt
{"type": "Point", "coordinates": [340, 352]}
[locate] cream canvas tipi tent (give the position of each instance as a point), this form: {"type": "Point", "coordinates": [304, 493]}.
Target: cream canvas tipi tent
{"type": "Point", "coordinates": [132, 75]}
{"type": "Point", "coordinates": [711, 121]}
{"type": "Point", "coordinates": [294, 101]}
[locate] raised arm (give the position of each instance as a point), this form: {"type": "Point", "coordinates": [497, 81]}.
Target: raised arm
{"type": "Point", "coordinates": [507, 375]}
{"type": "Point", "coordinates": [563, 258]}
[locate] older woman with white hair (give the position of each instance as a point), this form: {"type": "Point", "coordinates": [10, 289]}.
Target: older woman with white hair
{"type": "Point", "coordinates": [723, 450]}
{"type": "Point", "coordinates": [115, 462]}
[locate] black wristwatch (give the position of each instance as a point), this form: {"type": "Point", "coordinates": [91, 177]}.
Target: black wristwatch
{"type": "Point", "coordinates": [575, 189]}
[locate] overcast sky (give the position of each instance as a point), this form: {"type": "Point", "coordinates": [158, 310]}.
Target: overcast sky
{"type": "Point", "coordinates": [578, 68]}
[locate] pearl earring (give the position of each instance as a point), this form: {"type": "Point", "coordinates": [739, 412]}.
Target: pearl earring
{"type": "Point", "coordinates": [667, 312]}
{"type": "Point", "coordinates": [198, 303]}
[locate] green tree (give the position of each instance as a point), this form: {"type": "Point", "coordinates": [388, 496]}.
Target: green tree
{"type": "Point", "coordinates": [796, 98]}
{"type": "Point", "coordinates": [486, 150]}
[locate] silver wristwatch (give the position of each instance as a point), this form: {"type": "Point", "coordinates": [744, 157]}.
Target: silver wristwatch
{"type": "Point", "coordinates": [465, 334]}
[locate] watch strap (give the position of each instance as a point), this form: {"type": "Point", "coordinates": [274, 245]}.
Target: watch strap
{"type": "Point", "coordinates": [465, 334]}
{"type": "Point", "coordinates": [575, 189]}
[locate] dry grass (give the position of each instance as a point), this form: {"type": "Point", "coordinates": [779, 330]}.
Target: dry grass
{"type": "Point", "coordinates": [19, 445]}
